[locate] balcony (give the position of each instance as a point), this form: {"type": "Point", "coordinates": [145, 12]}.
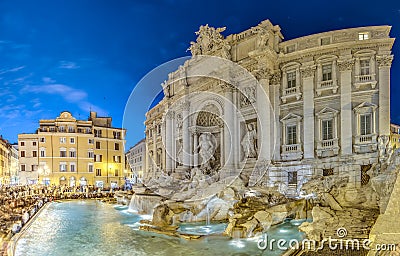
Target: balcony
{"type": "Point", "coordinates": [365, 143]}
{"type": "Point", "coordinates": [365, 80]}
{"type": "Point", "coordinates": [328, 148]}
{"type": "Point", "coordinates": [328, 85]}
{"type": "Point", "coordinates": [291, 152]}
{"type": "Point", "coordinates": [293, 92]}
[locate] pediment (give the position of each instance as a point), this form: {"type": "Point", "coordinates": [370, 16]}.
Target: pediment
{"type": "Point", "coordinates": [327, 110]}
{"type": "Point", "coordinates": [290, 117]}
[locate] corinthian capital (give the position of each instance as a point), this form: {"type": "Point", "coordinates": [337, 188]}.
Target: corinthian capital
{"type": "Point", "coordinates": [308, 71]}
{"type": "Point", "coordinates": [262, 73]}
{"type": "Point", "coordinates": [384, 61]}
{"type": "Point", "coordinates": [344, 65]}
{"type": "Point", "coordinates": [170, 114]}
{"type": "Point", "coordinates": [275, 78]}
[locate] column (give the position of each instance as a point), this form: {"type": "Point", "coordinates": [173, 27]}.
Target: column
{"type": "Point", "coordinates": [186, 135]}
{"type": "Point", "coordinates": [169, 135]}
{"type": "Point", "coordinates": [228, 126]}
{"type": "Point", "coordinates": [275, 81]}
{"type": "Point", "coordinates": [265, 137]}
{"type": "Point", "coordinates": [307, 74]}
{"type": "Point", "coordinates": [154, 160]}
{"type": "Point", "coordinates": [384, 63]}
{"type": "Point", "coordinates": [346, 112]}
{"type": "Point", "coordinates": [236, 131]}
{"type": "Point", "coordinates": [195, 150]}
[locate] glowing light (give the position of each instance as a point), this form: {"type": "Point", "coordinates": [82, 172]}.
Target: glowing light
{"type": "Point", "coordinates": [237, 243]}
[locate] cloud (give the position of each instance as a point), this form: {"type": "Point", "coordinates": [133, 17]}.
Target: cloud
{"type": "Point", "coordinates": [4, 71]}
{"type": "Point", "coordinates": [68, 65]}
{"type": "Point", "coordinates": [70, 94]}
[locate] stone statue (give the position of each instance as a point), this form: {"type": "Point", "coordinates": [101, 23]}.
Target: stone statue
{"type": "Point", "coordinates": [207, 147]}
{"type": "Point", "coordinates": [382, 146]}
{"type": "Point", "coordinates": [263, 37]}
{"type": "Point", "coordinates": [179, 154]}
{"type": "Point", "coordinates": [249, 142]}
{"type": "Point", "coordinates": [209, 39]}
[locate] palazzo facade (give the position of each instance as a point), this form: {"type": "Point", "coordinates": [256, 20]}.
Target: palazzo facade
{"type": "Point", "coordinates": [275, 112]}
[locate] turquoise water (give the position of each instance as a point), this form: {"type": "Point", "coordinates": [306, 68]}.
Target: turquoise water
{"type": "Point", "coordinates": [90, 227]}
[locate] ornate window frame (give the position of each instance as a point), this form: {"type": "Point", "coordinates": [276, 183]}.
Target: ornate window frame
{"type": "Point", "coordinates": [326, 85]}
{"type": "Point", "coordinates": [368, 142]}
{"type": "Point", "coordinates": [329, 147]}
{"type": "Point", "coordinates": [366, 79]}
{"type": "Point", "coordinates": [292, 151]}
{"type": "Point", "coordinates": [292, 92]}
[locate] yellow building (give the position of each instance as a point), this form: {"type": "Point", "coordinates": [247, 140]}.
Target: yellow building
{"type": "Point", "coordinates": [4, 161]}
{"type": "Point", "coordinates": [79, 152]}
{"type": "Point", "coordinates": [395, 135]}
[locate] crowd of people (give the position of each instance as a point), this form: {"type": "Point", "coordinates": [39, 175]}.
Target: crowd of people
{"type": "Point", "coordinates": [19, 203]}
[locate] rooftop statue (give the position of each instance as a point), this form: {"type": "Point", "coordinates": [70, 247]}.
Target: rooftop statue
{"type": "Point", "coordinates": [208, 40]}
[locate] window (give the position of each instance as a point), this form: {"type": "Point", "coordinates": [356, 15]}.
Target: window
{"type": "Point", "coordinates": [72, 140]}
{"type": "Point", "coordinates": [88, 130]}
{"type": "Point", "coordinates": [34, 153]}
{"type": "Point", "coordinates": [291, 134]}
{"type": "Point", "coordinates": [363, 36]}
{"type": "Point", "coordinates": [364, 67]}
{"type": "Point", "coordinates": [117, 135]}
{"type": "Point", "coordinates": [365, 124]}
{"type": "Point", "coordinates": [327, 72]}
{"type": "Point", "coordinates": [116, 172]}
{"type": "Point", "coordinates": [325, 41]}
{"type": "Point", "coordinates": [34, 167]}
{"type": "Point", "coordinates": [90, 154]}
{"type": "Point", "coordinates": [23, 168]}
{"type": "Point", "coordinates": [327, 129]}
{"type": "Point", "coordinates": [22, 153]}
{"type": "Point", "coordinates": [63, 140]}
{"type": "Point", "coordinates": [90, 167]}
{"type": "Point", "coordinates": [72, 153]}
{"type": "Point", "coordinates": [98, 172]}
{"type": "Point", "coordinates": [52, 129]}
{"type": "Point", "coordinates": [63, 153]}
{"type": "Point", "coordinates": [116, 146]}
{"type": "Point", "coordinates": [91, 141]}
{"type": "Point", "coordinates": [291, 79]}
{"type": "Point", "coordinates": [117, 159]}
{"type": "Point", "coordinates": [63, 167]}
{"type": "Point", "coordinates": [98, 158]}
{"type": "Point", "coordinates": [71, 129]}
{"type": "Point", "coordinates": [98, 144]}
{"type": "Point", "coordinates": [33, 143]}
{"type": "Point", "coordinates": [22, 143]}
{"type": "Point", "coordinates": [292, 178]}
{"type": "Point", "coordinates": [42, 140]}
{"type": "Point", "coordinates": [97, 133]}
{"type": "Point", "coordinates": [42, 152]}
{"type": "Point", "coordinates": [61, 129]}
{"type": "Point", "coordinates": [72, 167]}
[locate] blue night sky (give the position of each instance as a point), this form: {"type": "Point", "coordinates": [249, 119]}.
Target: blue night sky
{"type": "Point", "coordinates": [79, 55]}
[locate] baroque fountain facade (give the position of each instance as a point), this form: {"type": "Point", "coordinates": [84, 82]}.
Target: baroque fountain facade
{"type": "Point", "coordinates": [254, 129]}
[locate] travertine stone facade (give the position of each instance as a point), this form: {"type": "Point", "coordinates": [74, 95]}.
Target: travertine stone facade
{"type": "Point", "coordinates": [320, 106]}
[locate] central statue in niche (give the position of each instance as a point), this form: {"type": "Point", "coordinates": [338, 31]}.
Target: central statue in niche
{"type": "Point", "coordinates": [207, 146]}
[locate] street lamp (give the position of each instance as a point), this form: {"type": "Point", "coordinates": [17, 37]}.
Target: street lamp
{"type": "Point", "coordinates": [44, 171]}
